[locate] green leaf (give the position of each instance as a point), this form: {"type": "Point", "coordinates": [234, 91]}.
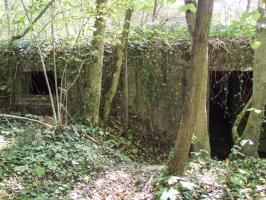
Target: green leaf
{"type": "Point", "coordinates": [255, 44]}
{"type": "Point", "coordinates": [192, 7]}
{"type": "Point", "coordinates": [255, 15]}
{"type": "Point", "coordinates": [189, 7]}
{"type": "Point", "coordinates": [237, 180]}
{"type": "Point", "coordinates": [21, 168]}
{"type": "Point", "coordinates": [20, 20]}
{"type": "Point", "coordinates": [3, 87]}
{"type": "Point", "coordinates": [39, 171]}
{"type": "Point", "coordinates": [257, 111]}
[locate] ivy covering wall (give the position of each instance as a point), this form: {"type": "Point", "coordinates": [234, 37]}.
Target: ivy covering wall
{"type": "Point", "coordinates": [158, 73]}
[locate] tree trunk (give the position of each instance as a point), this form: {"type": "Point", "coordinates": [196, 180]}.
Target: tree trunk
{"type": "Point", "coordinates": [248, 6]}
{"type": "Point", "coordinates": [190, 18]}
{"type": "Point", "coordinates": [93, 93]}
{"type": "Point", "coordinates": [125, 97]}
{"type": "Point", "coordinates": [7, 12]}
{"type": "Point", "coordinates": [201, 131]}
{"type": "Point", "coordinates": [238, 120]}
{"type": "Point", "coordinates": [254, 125]}
{"type": "Point", "coordinates": [154, 12]}
{"type": "Point", "coordinates": [199, 66]}
{"type": "Point", "coordinates": [120, 48]}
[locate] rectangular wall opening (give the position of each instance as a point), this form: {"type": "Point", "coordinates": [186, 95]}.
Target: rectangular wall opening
{"type": "Point", "coordinates": [228, 93]}
{"type": "Point", "coordinates": [38, 85]}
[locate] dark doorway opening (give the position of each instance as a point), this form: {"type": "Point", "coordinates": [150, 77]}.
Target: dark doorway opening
{"type": "Point", "coordinates": [38, 84]}
{"type": "Point", "coordinates": [229, 92]}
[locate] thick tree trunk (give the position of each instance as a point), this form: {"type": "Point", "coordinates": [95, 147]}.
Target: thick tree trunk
{"type": "Point", "coordinates": [199, 66]}
{"type": "Point", "coordinates": [201, 131]}
{"type": "Point", "coordinates": [93, 93]}
{"type": "Point", "coordinates": [254, 125]}
{"type": "Point", "coordinates": [120, 48]}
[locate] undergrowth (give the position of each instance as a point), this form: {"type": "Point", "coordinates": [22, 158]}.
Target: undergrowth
{"type": "Point", "coordinates": [211, 179]}
{"type": "Point", "coordinates": [40, 163]}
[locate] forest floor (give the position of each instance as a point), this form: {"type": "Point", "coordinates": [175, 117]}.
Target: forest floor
{"type": "Point", "coordinates": [77, 163]}
{"type": "Point", "coordinates": [127, 181]}
{"type": "Point", "coordinates": [81, 162]}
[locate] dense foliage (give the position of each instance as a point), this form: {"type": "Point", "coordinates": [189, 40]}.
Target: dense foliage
{"type": "Point", "coordinates": [43, 164]}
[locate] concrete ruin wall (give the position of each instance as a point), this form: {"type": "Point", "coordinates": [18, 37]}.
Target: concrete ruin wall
{"type": "Point", "coordinates": [157, 79]}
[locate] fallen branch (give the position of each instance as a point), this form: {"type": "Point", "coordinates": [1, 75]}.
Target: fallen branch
{"type": "Point", "coordinates": [145, 152]}
{"type": "Point", "coordinates": [25, 118]}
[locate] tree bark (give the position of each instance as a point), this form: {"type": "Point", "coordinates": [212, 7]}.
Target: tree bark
{"type": "Point", "coordinates": [93, 92]}
{"type": "Point", "coordinates": [190, 18]}
{"type": "Point", "coordinates": [7, 12]}
{"type": "Point", "coordinates": [199, 66]}
{"type": "Point", "coordinates": [253, 128]}
{"type": "Point", "coordinates": [120, 48]}
{"type": "Point", "coordinates": [155, 9]}
{"type": "Point", "coordinates": [238, 120]}
{"type": "Point", "coordinates": [201, 131]}
{"type": "Point", "coordinates": [248, 6]}
{"type": "Point", "coordinates": [125, 120]}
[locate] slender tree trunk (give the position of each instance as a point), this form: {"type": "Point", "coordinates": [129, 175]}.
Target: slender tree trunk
{"type": "Point", "coordinates": [125, 97]}
{"type": "Point", "coordinates": [155, 9]}
{"type": "Point", "coordinates": [238, 120]}
{"type": "Point", "coordinates": [199, 66]}
{"type": "Point", "coordinates": [248, 6]}
{"type": "Point", "coordinates": [120, 48]}
{"type": "Point", "coordinates": [93, 93]}
{"type": "Point", "coordinates": [58, 103]}
{"type": "Point", "coordinates": [7, 12]}
{"type": "Point", "coordinates": [201, 131]}
{"type": "Point", "coordinates": [253, 128]}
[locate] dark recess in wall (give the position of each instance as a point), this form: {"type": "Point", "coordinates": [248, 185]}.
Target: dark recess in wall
{"type": "Point", "coordinates": [38, 84]}
{"type": "Point", "coordinates": [229, 91]}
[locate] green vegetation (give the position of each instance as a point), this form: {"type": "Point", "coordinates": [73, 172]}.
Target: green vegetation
{"type": "Point", "coordinates": [183, 75]}
{"type": "Point", "coordinates": [236, 30]}
{"type": "Point", "coordinates": [211, 179]}
{"type": "Point", "coordinates": [39, 163]}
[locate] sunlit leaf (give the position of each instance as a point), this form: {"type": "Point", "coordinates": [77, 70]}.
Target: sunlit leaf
{"type": "Point", "coordinates": [255, 44]}
{"type": "Point", "coordinates": [189, 7]}
{"type": "Point", "coordinates": [255, 15]}
{"type": "Point", "coordinates": [170, 194]}
{"type": "Point", "coordinates": [257, 111]}
{"type": "Point", "coordinates": [244, 142]}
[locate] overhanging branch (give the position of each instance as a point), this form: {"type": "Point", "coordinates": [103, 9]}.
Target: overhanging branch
{"type": "Point", "coordinates": [17, 37]}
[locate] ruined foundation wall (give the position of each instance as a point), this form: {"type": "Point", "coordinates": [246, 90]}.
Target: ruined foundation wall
{"type": "Point", "coordinates": [158, 73]}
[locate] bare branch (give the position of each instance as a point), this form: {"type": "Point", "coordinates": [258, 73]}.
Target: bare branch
{"type": "Point", "coordinates": [43, 66]}
{"type": "Point", "coordinates": [25, 118]}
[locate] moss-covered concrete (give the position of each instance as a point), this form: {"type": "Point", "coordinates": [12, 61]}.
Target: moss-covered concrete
{"type": "Point", "coordinates": [156, 77]}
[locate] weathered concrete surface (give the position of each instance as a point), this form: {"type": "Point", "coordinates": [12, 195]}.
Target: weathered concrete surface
{"type": "Point", "coordinates": [157, 80]}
